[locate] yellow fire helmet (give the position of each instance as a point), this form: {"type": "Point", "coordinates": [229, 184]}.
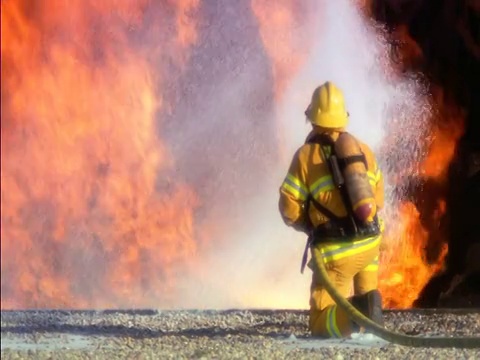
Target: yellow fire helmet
{"type": "Point", "coordinates": [327, 108]}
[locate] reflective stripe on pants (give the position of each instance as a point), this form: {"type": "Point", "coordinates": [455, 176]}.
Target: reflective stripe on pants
{"type": "Point", "coordinates": [326, 319]}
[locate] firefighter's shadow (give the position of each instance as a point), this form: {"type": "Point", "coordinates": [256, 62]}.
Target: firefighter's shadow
{"type": "Point", "coordinates": [265, 329]}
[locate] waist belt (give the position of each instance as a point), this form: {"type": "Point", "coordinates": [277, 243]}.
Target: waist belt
{"type": "Point", "coordinates": [342, 230]}
{"type": "Point", "coordinates": [331, 230]}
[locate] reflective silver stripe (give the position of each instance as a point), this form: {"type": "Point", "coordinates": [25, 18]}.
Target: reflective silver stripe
{"type": "Point", "coordinates": [325, 183]}
{"type": "Point", "coordinates": [332, 323]}
{"type": "Point", "coordinates": [295, 187]}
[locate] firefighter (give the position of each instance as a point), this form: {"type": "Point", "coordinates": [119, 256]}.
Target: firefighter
{"type": "Point", "coordinates": [333, 192]}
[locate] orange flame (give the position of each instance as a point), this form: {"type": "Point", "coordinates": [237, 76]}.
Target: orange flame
{"type": "Point", "coordinates": [277, 22]}
{"type": "Point", "coordinates": [286, 36]}
{"type": "Point", "coordinates": [281, 32]}
{"type": "Point", "coordinates": [81, 164]}
{"type": "Point", "coordinates": [417, 245]}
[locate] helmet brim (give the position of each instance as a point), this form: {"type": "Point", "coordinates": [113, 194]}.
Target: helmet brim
{"type": "Point", "coordinates": [330, 121]}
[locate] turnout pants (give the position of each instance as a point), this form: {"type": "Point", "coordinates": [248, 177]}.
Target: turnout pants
{"type": "Point", "coordinates": [346, 263]}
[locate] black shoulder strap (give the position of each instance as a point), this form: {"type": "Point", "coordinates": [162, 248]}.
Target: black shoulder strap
{"type": "Point", "coordinates": [325, 140]}
{"type": "Point", "coordinates": [321, 139]}
{"type": "Point", "coordinates": [353, 159]}
{"type": "Point", "coordinates": [322, 209]}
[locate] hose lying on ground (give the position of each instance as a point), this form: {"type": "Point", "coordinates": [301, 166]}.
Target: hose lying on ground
{"type": "Point", "coordinates": [396, 338]}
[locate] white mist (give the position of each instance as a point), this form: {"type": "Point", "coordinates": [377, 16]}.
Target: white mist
{"type": "Point", "coordinates": [261, 268]}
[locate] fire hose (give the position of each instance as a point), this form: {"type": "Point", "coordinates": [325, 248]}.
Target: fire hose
{"type": "Point", "coordinates": [390, 336]}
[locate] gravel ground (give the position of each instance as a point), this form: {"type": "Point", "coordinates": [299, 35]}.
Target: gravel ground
{"type": "Point", "coordinates": [232, 334]}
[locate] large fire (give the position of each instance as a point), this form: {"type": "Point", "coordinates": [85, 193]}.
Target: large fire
{"type": "Point", "coordinates": [81, 159]}
{"type": "Point", "coordinates": [91, 213]}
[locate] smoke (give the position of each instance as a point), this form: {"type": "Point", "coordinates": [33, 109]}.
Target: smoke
{"type": "Point", "coordinates": [258, 260]}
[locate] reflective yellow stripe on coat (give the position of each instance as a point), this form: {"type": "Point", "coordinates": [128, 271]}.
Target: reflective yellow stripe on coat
{"type": "Point", "coordinates": [295, 187]}
{"type": "Point", "coordinates": [372, 179]}
{"type": "Point", "coordinates": [325, 183]}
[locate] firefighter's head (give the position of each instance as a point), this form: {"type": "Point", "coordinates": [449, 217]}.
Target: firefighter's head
{"type": "Point", "coordinates": [327, 108]}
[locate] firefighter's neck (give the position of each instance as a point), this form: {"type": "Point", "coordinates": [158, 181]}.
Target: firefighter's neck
{"type": "Point", "coordinates": [332, 132]}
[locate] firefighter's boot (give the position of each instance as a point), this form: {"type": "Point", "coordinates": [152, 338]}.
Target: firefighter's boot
{"type": "Point", "coordinates": [370, 305]}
